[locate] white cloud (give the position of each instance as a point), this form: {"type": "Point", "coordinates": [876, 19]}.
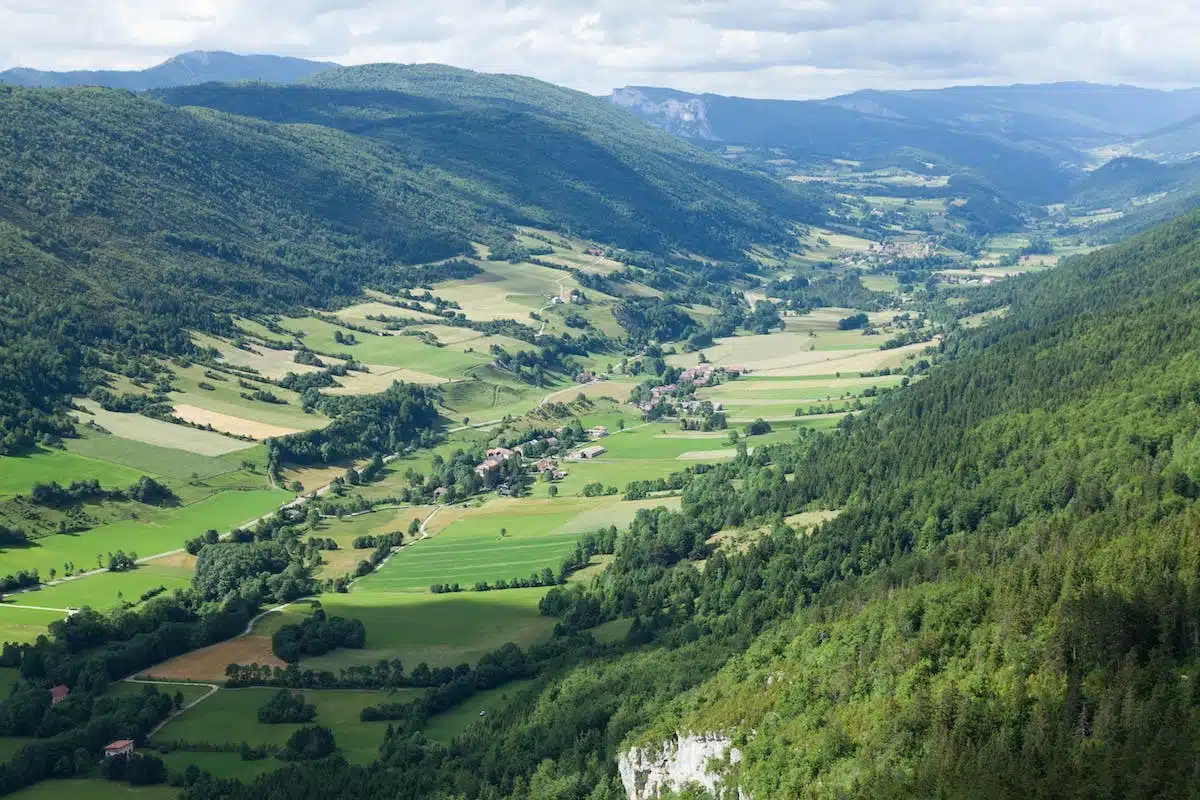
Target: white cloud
{"type": "Point", "coordinates": [779, 48]}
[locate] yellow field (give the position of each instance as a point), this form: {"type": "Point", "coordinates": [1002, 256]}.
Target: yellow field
{"type": "Point", "coordinates": [225, 423]}
{"type": "Point", "coordinates": [163, 434]}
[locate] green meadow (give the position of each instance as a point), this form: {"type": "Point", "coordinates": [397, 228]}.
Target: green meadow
{"type": "Point", "coordinates": [439, 629]}
{"type": "Point", "coordinates": [19, 473]}
{"type": "Point", "coordinates": [231, 715]}
{"type": "Point", "coordinates": [94, 790]}
{"type": "Point", "coordinates": [108, 589]}
{"type": "Point", "coordinates": [24, 624]}
{"type": "Point", "coordinates": [156, 531]}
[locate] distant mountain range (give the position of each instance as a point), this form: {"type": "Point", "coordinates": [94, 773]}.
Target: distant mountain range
{"type": "Point", "coordinates": [1026, 140]}
{"type": "Point", "coordinates": [185, 69]}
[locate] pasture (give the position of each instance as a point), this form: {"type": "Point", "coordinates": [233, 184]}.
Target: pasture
{"type": "Point", "coordinates": [149, 459]}
{"type": "Point", "coordinates": [231, 715]}
{"type": "Point", "coordinates": [472, 548]}
{"type": "Point", "coordinates": [208, 664]}
{"type": "Point", "coordinates": [438, 629]}
{"type": "Point", "coordinates": [18, 624]}
{"type": "Point", "coordinates": [107, 590]}
{"type": "Point", "coordinates": [407, 352]}
{"type": "Point", "coordinates": [220, 403]}
{"type": "Point", "coordinates": [154, 531]}
{"type": "Point", "coordinates": [19, 473]}
{"type": "Point", "coordinates": [157, 432]}
{"type": "Point", "coordinates": [94, 790]}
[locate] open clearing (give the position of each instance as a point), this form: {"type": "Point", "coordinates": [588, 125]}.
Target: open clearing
{"type": "Point", "coordinates": [108, 589]}
{"type": "Point", "coordinates": [150, 459]}
{"type": "Point", "coordinates": [157, 432]}
{"type": "Point", "coordinates": [380, 378]}
{"type": "Point", "coordinates": [156, 531]}
{"type": "Point", "coordinates": [231, 715]}
{"type": "Point", "coordinates": [439, 629]}
{"type": "Point", "coordinates": [95, 790]}
{"type": "Point", "coordinates": [24, 624]}
{"type": "Point", "coordinates": [18, 474]}
{"type": "Point", "coordinates": [227, 424]}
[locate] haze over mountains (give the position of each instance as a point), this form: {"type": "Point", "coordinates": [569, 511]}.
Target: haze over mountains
{"type": "Point", "coordinates": [184, 69]}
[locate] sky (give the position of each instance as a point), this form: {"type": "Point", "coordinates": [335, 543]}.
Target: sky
{"type": "Point", "coordinates": [753, 48]}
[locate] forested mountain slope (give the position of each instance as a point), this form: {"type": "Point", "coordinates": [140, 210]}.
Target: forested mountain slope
{"type": "Point", "coordinates": [1029, 168]}
{"type": "Point", "coordinates": [1007, 606]}
{"type": "Point", "coordinates": [126, 219]}
{"type": "Point", "coordinates": [181, 70]}
{"type": "Point", "coordinates": [531, 152]}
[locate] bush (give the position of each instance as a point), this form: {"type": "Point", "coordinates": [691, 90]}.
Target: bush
{"type": "Point", "coordinates": [285, 707]}
{"type": "Point", "coordinates": [309, 743]}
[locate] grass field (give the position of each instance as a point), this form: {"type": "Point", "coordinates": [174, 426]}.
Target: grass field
{"type": "Point", "coordinates": [407, 352]}
{"type": "Point", "coordinates": [159, 433]}
{"type": "Point", "coordinates": [445, 726]}
{"type": "Point", "coordinates": [472, 549]}
{"type": "Point", "coordinates": [24, 624]}
{"type": "Point", "coordinates": [94, 790]}
{"type": "Point", "coordinates": [108, 589]}
{"type": "Point", "coordinates": [231, 715]}
{"type": "Point", "coordinates": [151, 459]}
{"type": "Point", "coordinates": [157, 531]}
{"type": "Point", "coordinates": [19, 473]}
{"type": "Point", "coordinates": [439, 629]}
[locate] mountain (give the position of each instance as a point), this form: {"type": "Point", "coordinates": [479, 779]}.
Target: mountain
{"type": "Point", "coordinates": [1177, 142]}
{"type": "Point", "coordinates": [1068, 112]}
{"type": "Point", "coordinates": [1025, 141]}
{"type": "Point", "coordinates": [818, 131]}
{"type": "Point", "coordinates": [529, 152]}
{"type": "Point", "coordinates": [129, 219]}
{"type": "Point", "coordinates": [1145, 192]}
{"type": "Point", "coordinates": [182, 70]}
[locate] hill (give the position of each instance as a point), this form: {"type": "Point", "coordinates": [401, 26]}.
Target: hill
{"type": "Point", "coordinates": [1066, 112]}
{"type": "Point", "coordinates": [1022, 141]}
{"type": "Point", "coordinates": [131, 219]}
{"type": "Point", "coordinates": [181, 70]}
{"type": "Point", "coordinates": [1145, 193]}
{"type": "Point", "coordinates": [533, 153]}
{"type": "Point", "coordinates": [1180, 141]}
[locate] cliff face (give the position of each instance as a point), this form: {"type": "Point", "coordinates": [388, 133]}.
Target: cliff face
{"type": "Point", "coordinates": [681, 761]}
{"type": "Point", "coordinates": [682, 115]}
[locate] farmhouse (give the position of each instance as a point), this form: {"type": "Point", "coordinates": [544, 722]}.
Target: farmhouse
{"type": "Point", "coordinates": [121, 747]}
{"type": "Point", "coordinates": [58, 694]}
{"type": "Point", "coordinates": [598, 432]}
{"type": "Point", "coordinates": [591, 452]}
{"type": "Point", "coordinates": [503, 453]}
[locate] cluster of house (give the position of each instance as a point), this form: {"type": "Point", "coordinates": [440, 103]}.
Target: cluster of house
{"type": "Point", "coordinates": [567, 296]}
{"type": "Point", "coordinates": [700, 375]}
{"type": "Point", "coordinates": [889, 252]}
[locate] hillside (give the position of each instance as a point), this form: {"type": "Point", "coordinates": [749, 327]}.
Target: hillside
{"type": "Point", "coordinates": [1177, 142]}
{"type": "Point", "coordinates": [529, 152]}
{"type": "Point", "coordinates": [1145, 193]}
{"type": "Point", "coordinates": [1066, 112]}
{"type": "Point", "coordinates": [1007, 604]}
{"type": "Point", "coordinates": [130, 218]}
{"type": "Point", "coordinates": [182, 70]}
{"type": "Point", "coordinates": [1028, 168]}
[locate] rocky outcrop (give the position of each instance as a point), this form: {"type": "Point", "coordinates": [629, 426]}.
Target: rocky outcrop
{"type": "Point", "coordinates": [676, 763]}
{"type": "Point", "coordinates": [683, 115]}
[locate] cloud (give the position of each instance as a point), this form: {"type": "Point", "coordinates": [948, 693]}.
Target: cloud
{"type": "Point", "coordinates": [773, 48]}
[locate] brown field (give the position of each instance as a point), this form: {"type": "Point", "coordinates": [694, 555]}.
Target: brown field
{"type": "Point", "coordinates": [235, 425]}
{"type": "Point", "coordinates": [209, 663]}
{"type": "Point", "coordinates": [180, 560]}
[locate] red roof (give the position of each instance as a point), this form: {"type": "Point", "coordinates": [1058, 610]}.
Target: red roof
{"type": "Point", "coordinates": [59, 692]}
{"type": "Point", "coordinates": [120, 744]}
